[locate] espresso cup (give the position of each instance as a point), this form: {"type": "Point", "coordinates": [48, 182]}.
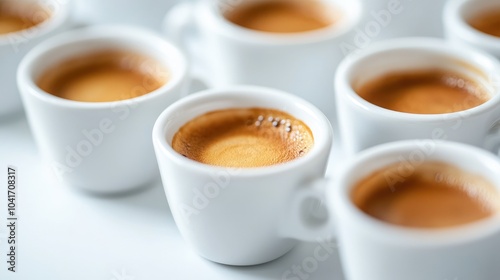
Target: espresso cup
{"type": "Point", "coordinates": [228, 213]}
{"type": "Point", "coordinates": [472, 23]}
{"type": "Point", "coordinates": [298, 57]}
{"type": "Point", "coordinates": [24, 24]}
{"type": "Point", "coordinates": [451, 93]}
{"type": "Point", "coordinates": [372, 248]}
{"type": "Point", "coordinates": [100, 144]}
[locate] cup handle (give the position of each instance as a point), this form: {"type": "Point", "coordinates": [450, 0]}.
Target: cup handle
{"type": "Point", "coordinates": [493, 140]}
{"type": "Point", "coordinates": [179, 25]}
{"type": "Point", "coordinates": [308, 218]}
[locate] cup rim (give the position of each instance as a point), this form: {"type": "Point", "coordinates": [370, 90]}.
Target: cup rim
{"type": "Point", "coordinates": [36, 31]}
{"type": "Point", "coordinates": [484, 60]}
{"type": "Point", "coordinates": [454, 20]}
{"type": "Point", "coordinates": [340, 195]}
{"type": "Point", "coordinates": [215, 18]}
{"type": "Point", "coordinates": [100, 33]}
{"type": "Point", "coordinates": [322, 141]}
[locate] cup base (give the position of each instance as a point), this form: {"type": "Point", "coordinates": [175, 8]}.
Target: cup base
{"type": "Point", "coordinates": [251, 261]}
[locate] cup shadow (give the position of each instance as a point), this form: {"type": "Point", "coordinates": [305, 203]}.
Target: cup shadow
{"type": "Point", "coordinates": [14, 117]}
{"type": "Point", "coordinates": [149, 198]}
{"type": "Point", "coordinates": [298, 263]}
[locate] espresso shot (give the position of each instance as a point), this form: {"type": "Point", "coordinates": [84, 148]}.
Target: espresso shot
{"type": "Point", "coordinates": [104, 76]}
{"type": "Point", "coordinates": [252, 137]}
{"type": "Point", "coordinates": [15, 16]}
{"type": "Point", "coordinates": [487, 22]}
{"type": "Point", "coordinates": [436, 195]}
{"type": "Point", "coordinates": [432, 91]}
{"type": "Point", "coordinates": [282, 16]}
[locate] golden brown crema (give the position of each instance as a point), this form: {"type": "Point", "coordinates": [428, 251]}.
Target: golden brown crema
{"type": "Point", "coordinates": [424, 92]}
{"type": "Point", "coordinates": [15, 16]}
{"type": "Point", "coordinates": [282, 16]}
{"type": "Point", "coordinates": [104, 76]}
{"type": "Point", "coordinates": [487, 22]}
{"type": "Point", "coordinates": [435, 195]}
{"type": "Point", "coordinates": [251, 137]}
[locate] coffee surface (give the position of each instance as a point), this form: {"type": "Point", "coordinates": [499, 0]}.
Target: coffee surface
{"type": "Point", "coordinates": [435, 195]}
{"type": "Point", "coordinates": [103, 77]}
{"type": "Point", "coordinates": [15, 16]}
{"type": "Point", "coordinates": [487, 22]}
{"type": "Point", "coordinates": [281, 16]}
{"type": "Point", "coordinates": [245, 137]}
{"type": "Point", "coordinates": [424, 92]}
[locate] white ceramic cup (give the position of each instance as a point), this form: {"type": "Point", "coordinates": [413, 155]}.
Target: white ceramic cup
{"type": "Point", "coordinates": [227, 54]}
{"type": "Point", "coordinates": [99, 146]}
{"type": "Point", "coordinates": [458, 30]}
{"type": "Point", "coordinates": [141, 13]}
{"type": "Point", "coordinates": [238, 216]}
{"type": "Point", "coordinates": [13, 46]}
{"type": "Point", "coordinates": [363, 124]}
{"type": "Point", "coordinates": [375, 250]}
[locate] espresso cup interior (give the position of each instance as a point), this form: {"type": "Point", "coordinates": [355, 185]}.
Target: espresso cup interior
{"type": "Point", "coordinates": [407, 59]}
{"type": "Point", "coordinates": [19, 15]}
{"type": "Point", "coordinates": [463, 165]}
{"type": "Point", "coordinates": [43, 16]}
{"type": "Point", "coordinates": [471, 9]}
{"type": "Point", "coordinates": [201, 103]}
{"type": "Point", "coordinates": [83, 43]}
{"type": "Point", "coordinates": [341, 15]}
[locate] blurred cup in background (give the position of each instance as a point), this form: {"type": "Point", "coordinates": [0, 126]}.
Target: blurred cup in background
{"type": "Point", "coordinates": [234, 42]}
{"type": "Point", "coordinates": [23, 24]}
{"type": "Point", "coordinates": [474, 23]}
